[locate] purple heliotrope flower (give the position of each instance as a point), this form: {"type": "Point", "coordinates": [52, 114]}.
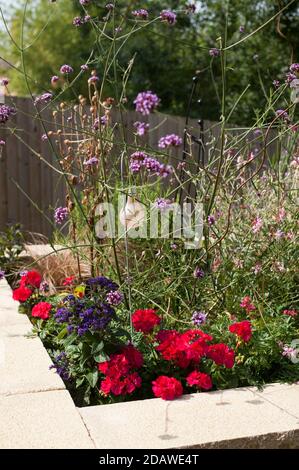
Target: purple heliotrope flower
{"type": "Point", "coordinates": [114, 298]}
{"type": "Point", "coordinates": [44, 98]}
{"type": "Point", "coordinates": [141, 128]}
{"type": "Point", "coordinates": [5, 113]}
{"type": "Point", "coordinates": [141, 13]}
{"type": "Point", "coordinates": [199, 318]}
{"type": "Point", "coordinates": [170, 140]}
{"type": "Point", "coordinates": [214, 52]}
{"type": "Point", "coordinates": [61, 366]}
{"type": "Point", "coordinates": [2, 274]}
{"type": "Point", "coordinates": [66, 69]}
{"type": "Point", "coordinates": [168, 16]}
{"type": "Point", "coordinates": [146, 102]}
{"type": "Point", "coordinates": [61, 214]}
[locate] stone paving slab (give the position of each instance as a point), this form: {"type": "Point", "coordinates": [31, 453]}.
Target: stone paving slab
{"type": "Point", "coordinates": [36, 411]}
{"type": "Point", "coordinates": [47, 420]}
{"type": "Point", "coordinates": [25, 364]}
{"type": "Point", "coordinates": [231, 418]}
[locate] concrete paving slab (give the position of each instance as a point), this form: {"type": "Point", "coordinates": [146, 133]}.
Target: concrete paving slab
{"type": "Point", "coordinates": [47, 420]}
{"type": "Point", "coordinates": [230, 418]}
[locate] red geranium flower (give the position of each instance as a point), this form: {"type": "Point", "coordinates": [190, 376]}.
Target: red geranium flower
{"type": "Point", "coordinates": [68, 281]}
{"type": "Point", "coordinates": [133, 356]}
{"type": "Point", "coordinates": [21, 294]}
{"type": "Point", "coordinates": [41, 310]}
{"type": "Point", "coordinates": [222, 355]}
{"type": "Point", "coordinates": [182, 348]}
{"type": "Point", "coordinates": [200, 380]}
{"type": "Point", "coordinates": [167, 388]}
{"type": "Point", "coordinates": [145, 320]}
{"type": "Point", "coordinates": [32, 279]}
{"type": "Point", "coordinates": [242, 330]}
{"type": "Point", "coordinates": [290, 313]}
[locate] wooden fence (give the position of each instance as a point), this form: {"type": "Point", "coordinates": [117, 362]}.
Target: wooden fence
{"type": "Point", "coordinates": [30, 189]}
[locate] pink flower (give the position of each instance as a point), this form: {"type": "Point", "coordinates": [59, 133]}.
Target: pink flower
{"type": "Point", "coordinates": [257, 224]}
{"type": "Point", "coordinates": [247, 304]}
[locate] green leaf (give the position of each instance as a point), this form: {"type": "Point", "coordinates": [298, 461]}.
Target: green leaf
{"type": "Point", "coordinates": [62, 333]}
{"type": "Point", "coordinates": [92, 378]}
{"type": "Point", "coordinates": [102, 357]}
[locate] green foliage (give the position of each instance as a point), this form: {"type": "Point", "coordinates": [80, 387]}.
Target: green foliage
{"type": "Point", "coordinates": [11, 245]}
{"type": "Point", "coordinates": [165, 55]}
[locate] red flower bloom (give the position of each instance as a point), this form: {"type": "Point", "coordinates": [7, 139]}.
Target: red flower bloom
{"type": "Point", "coordinates": [183, 348]}
{"type": "Point", "coordinates": [242, 330]}
{"type": "Point", "coordinates": [32, 279]}
{"type": "Point", "coordinates": [200, 380]}
{"type": "Point", "coordinates": [222, 355]}
{"type": "Point", "coordinates": [68, 281]}
{"type": "Point", "coordinates": [247, 304]}
{"type": "Point", "coordinates": [145, 320]}
{"type": "Point", "coordinates": [133, 356]}
{"type": "Point", "coordinates": [120, 380]}
{"type": "Point", "coordinates": [290, 313]}
{"type": "Point", "coordinates": [21, 294]}
{"type": "Point", "coordinates": [121, 386]}
{"type": "Point", "coordinates": [41, 310]}
{"type": "Point", "coordinates": [167, 388]}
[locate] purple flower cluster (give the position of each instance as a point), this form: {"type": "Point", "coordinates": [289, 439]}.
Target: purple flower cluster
{"type": "Point", "coordinates": [61, 214]}
{"type": "Point", "coordinates": [93, 161]}
{"type": "Point", "coordinates": [5, 113]}
{"type": "Point", "coordinates": [168, 16]}
{"type": "Point", "coordinates": [170, 140]}
{"type": "Point", "coordinates": [79, 21]}
{"type": "Point", "coordinates": [141, 13]}
{"type": "Point", "coordinates": [214, 52]}
{"type": "Point", "coordinates": [146, 102]}
{"type": "Point", "coordinates": [102, 283]}
{"type": "Point", "coordinates": [44, 287]}
{"type": "Point", "coordinates": [114, 298]}
{"type": "Point", "coordinates": [61, 366]}
{"type": "Point", "coordinates": [162, 204]}
{"type": "Point", "coordinates": [44, 98]}
{"type": "Point", "coordinates": [87, 314]}
{"type": "Point", "coordinates": [141, 128]}
{"type": "Point", "coordinates": [139, 160]}
{"type": "Point", "coordinates": [102, 121]}
{"type": "Point", "coordinates": [66, 69]}
{"type": "Point", "coordinates": [199, 318]}
{"type": "Point", "coordinates": [198, 273]}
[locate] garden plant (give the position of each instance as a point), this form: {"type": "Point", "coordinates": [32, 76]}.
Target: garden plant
{"type": "Point", "coordinates": [164, 310]}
